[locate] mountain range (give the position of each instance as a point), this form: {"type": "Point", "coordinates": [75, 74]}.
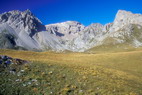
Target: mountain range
{"type": "Point", "coordinates": [23, 30]}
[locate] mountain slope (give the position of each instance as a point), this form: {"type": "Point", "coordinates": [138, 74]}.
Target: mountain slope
{"type": "Point", "coordinates": [29, 33]}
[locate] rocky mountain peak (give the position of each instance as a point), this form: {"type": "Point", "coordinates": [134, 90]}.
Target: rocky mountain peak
{"type": "Point", "coordinates": [123, 12]}
{"type": "Point", "coordinates": [72, 23]}
{"type": "Point", "coordinates": [94, 27]}
{"type": "Point", "coordinates": [67, 28]}
{"type": "Point", "coordinates": [28, 12]}
{"type": "Point", "coordinates": [122, 15]}
{"type": "Point", "coordinates": [25, 21]}
{"type": "Point", "coordinates": [124, 18]}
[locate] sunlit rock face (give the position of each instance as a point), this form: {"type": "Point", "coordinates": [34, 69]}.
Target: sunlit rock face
{"type": "Point", "coordinates": [67, 30]}
{"type": "Point", "coordinates": [22, 20]}
{"type": "Point", "coordinates": [124, 18]}
{"type": "Point", "coordinates": [23, 25]}
{"type": "Point", "coordinates": [126, 28]}
{"type": "Point", "coordinates": [22, 30]}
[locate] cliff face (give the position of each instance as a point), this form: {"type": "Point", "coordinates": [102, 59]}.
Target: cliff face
{"type": "Point", "coordinates": [24, 30]}
{"type": "Point", "coordinates": [124, 18]}
{"type": "Point", "coordinates": [23, 25]}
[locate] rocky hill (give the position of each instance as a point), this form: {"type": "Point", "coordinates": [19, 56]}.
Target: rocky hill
{"type": "Point", "coordinates": [22, 30]}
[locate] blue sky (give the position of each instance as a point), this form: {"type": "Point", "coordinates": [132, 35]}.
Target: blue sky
{"type": "Point", "coordinates": [84, 11]}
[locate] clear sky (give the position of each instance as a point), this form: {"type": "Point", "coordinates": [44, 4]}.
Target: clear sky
{"type": "Point", "coordinates": [84, 11]}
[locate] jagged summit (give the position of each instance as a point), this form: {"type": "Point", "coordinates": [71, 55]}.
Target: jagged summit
{"type": "Point", "coordinates": [127, 12]}
{"type": "Point", "coordinates": [124, 18]}
{"type": "Point", "coordinates": [123, 12]}
{"type": "Point", "coordinates": [28, 12]}
{"type": "Point", "coordinates": [25, 21]}
{"type": "Point", "coordinates": [67, 23]}
{"type": "Point", "coordinates": [68, 29]}
{"type": "Point", "coordinates": [72, 22]}
{"type": "Point", "coordinates": [24, 30]}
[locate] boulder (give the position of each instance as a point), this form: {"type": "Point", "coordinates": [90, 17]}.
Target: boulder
{"type": "Point", "coordinates": [6, 61]}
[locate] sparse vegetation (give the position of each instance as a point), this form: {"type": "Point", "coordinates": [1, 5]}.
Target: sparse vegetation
{"type": "Point", "coordinates": [51, 73]}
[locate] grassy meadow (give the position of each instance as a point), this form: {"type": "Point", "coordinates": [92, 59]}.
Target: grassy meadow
{"type": "Point", "coordinates": [97, 73]}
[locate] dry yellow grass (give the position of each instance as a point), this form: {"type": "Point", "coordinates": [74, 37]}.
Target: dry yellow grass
{"type": "Point", "coordinates": [120, 61]}
{"type": "Point", "coordinates": [118, 69]}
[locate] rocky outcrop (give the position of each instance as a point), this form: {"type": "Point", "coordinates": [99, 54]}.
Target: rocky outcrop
{"type": "Point", "coordinates": [6, 61]}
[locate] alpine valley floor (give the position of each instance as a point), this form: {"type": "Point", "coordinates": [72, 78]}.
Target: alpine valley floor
{"type": "Point", "coordinates": [90, 73]}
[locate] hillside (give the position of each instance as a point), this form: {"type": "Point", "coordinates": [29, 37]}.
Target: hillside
{"type": "Point", "coordinates": [50, 73]}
